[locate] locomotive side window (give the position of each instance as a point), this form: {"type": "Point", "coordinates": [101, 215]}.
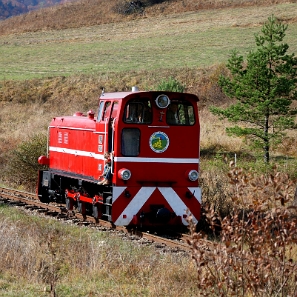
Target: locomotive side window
{"type": "Point", "coordinates": [106, 112]}
{"type": "Point", "coordinates": [180, 113]}
{"type": "Point", "coordinates": [130, 142]}
{"type": "Point", "coordinates": [100, 111]}
{"type": "Point", "coordinates": [114, 109]}
{"type": "Point", "coordinates": [138, 111]}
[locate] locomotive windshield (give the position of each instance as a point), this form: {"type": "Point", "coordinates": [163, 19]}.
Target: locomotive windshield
{"type": "Point", "coordinates": [180, 113]}
{"type": "Point", "coordinates": [137, 111]}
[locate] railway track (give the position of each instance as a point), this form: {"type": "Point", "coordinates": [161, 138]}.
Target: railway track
{"type": "Point", "coordinates": [174, 242]}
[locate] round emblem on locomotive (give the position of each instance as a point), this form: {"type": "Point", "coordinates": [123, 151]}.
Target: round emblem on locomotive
{"type": "Point", "coordinates": [159, 142]}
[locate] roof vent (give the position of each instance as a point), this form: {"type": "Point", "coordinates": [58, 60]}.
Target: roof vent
{"type": "Point", "coordinates": [78, 114]}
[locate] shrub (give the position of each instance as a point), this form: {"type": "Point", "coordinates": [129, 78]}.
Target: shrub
{"type": "Point", "coordinates": [255, 254]}
{"type": "Point", "coordinates": [22, 166]}
{"type": "Point", "coordinates": [171, 84]}
{"type": "Point", "coordinates": [131, 7]}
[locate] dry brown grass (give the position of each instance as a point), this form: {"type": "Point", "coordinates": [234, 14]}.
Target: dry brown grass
{"type": "Point", "coordinates": [213, 134]}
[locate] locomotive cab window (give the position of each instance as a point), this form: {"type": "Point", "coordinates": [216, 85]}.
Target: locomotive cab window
{"type": "Point", "coordinates": [180, 113]}
{"type": "Point", "coordinates": [100, 111]}
{"type": "Point", "coordinates": [104, 110]}
{"type": "Point", "coordinates": [130, 142]}
{"type": "Point", "coordinates": [138, 111]}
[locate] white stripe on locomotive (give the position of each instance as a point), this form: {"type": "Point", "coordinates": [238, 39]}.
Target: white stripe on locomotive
{"type": "Point", "coordinates": [125, 159]}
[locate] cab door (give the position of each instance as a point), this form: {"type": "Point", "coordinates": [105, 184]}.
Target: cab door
{"type": "Point", "coordinates": [104, 130]}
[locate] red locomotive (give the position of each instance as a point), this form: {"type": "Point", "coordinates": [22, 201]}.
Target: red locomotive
{"type": "Point", "coordinates": [150, 173]}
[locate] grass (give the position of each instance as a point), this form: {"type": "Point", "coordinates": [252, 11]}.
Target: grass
{"type": "Point", "coordinates": [194, 40]}
{"type": "Point", "coordinates": [83, 262]}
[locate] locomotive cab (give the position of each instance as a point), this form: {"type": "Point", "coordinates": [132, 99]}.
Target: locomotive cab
{"type": "Point", "coordinates": [153, 139]}
{"type": "Point", "coordinates": [158, 143]}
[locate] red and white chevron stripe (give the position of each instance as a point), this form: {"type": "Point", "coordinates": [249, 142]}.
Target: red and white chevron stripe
{"type": "Point", "coordinates": [124, 209]}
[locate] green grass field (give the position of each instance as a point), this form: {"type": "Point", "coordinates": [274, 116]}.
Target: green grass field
{"type": "Point", "coordinates": [194, 40]}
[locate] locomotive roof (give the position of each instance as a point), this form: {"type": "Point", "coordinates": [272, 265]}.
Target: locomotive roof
{"type": "Point", "coordinates": [122, 95]}
{"type": "Point", "coordinates": [116, 95]}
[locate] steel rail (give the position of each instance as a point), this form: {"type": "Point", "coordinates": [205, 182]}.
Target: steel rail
{"type": "Point", "coordinates": [28, 200]}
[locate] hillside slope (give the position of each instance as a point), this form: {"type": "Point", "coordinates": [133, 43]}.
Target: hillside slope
{"type": "Point", "coordinates": [94, 12]}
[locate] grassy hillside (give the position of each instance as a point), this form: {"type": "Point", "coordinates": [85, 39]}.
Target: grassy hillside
{"type": "Point", "coordinates": [95, 12]}
{"type": "Point", "coordinates": [195, 39]}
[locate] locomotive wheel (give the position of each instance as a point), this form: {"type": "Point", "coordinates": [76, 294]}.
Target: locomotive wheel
{"type": "Point", "coordinates": [81, 207]}
{"type": "Point", "coordinates": [95, 212]}
{"type": "Point", "coordinates": [69, 203]}
{"type": "Point", "coordinates": [44, 198]}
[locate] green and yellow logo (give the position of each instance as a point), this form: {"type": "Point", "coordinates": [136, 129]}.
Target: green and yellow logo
{"type": "Point", "coordinates": [159, 142]}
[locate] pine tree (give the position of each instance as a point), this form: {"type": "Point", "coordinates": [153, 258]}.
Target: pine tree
{"type": "Point", "coordinates": [264, 87]}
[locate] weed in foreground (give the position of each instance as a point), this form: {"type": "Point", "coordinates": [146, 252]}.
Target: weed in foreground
{"type": "Point", "coordinates": [256, 252]}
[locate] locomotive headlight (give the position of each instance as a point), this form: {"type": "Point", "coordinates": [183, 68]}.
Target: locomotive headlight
{"type": "Point", "coordinates": [124, 174]}
{"type": "Point", "coordinates": [162, 101]}
{"type": "Point", "coordinates": [193, 175]}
